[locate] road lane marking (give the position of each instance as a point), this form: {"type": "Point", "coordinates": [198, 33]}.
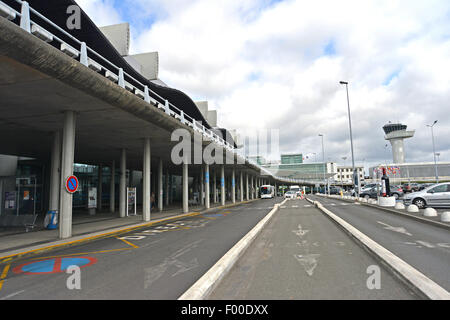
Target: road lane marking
{"type": "Point", "coordinates": [128, 243]}
{"type": "Point", "coordinates": [425, 244]}
{"type": "Point", "coordinates": [395, 229]}
{"type": "Point", "coordinates": [155, 272]}
{"type": "Point", "coordinates": [308, 261]}
{"type": "Point", "coordinates": [3, 275]}
{"type": "Point", "coordinates": [12, 295]}
{"type": "Point", "coordinates": [81, 254]}
{"type": "Point", "coordinates": [300, 232]}
{"type": "Point", "coordinates": [54, 265]}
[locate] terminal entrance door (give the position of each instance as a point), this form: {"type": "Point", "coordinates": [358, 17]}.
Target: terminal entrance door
{"type": "Point", "coordinates": [29, 196]}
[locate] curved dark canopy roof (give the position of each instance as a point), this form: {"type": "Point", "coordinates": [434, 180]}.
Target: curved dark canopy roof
{"type": "Point", "coordinates": [55, 10]}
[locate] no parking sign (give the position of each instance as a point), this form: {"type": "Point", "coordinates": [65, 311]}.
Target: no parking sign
{"type": "Point", "coordinates": [72, 184]}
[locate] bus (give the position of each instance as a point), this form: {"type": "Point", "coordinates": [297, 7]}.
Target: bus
{"type": "Point", "coordinates": [267, 192]}
{"type": "Point", "coordinates": [296, 189]}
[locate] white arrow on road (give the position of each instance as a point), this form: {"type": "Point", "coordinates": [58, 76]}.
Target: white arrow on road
{"type": "Point", "coordinates": [395, 229]}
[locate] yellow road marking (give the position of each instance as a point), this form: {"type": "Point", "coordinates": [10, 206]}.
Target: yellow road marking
{"type": "Point", "coordinates": [80, 254]}
{"type": "Point", "coordinates": [128, 243]}
{"type": "Point", "coordinates": [3, 275]}
{"type": "Point", "coordinates": [103, 235]}
{"type": "Point", "coordinates": [208, 218]}
{"type": "Point", "coordinates": [112, 233]}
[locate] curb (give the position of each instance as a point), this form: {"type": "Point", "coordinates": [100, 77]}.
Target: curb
{"type": "Point", "coordinates": [431, 222]}
{"type": "Point", "coordinates": [416, 280]}
{"type": "Point", "coordinates": [201, 289]}
{"type": "Point", "coordinates": [33, 250]}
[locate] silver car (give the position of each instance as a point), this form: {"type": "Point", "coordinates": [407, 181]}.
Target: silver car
{"type": "Point", "coordinates": [290, 195]}
{"type": "Point", "coordinates": [437, 195]}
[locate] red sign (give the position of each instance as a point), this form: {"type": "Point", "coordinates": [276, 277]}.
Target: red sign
{"type": "Point", "coordinates": [72, 184]}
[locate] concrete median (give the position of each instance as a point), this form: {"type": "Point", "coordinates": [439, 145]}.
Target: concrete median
{"type": "Point", "coordinates": [201, 289]}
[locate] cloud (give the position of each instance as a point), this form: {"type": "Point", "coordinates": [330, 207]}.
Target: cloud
{"type": "Point", "coordinates": [277, 64]}
{"type": "Point", "coordinates": [102, 12]}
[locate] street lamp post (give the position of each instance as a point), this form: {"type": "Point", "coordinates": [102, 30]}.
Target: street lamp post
{"type": "Point", "coordinates": [355, 176]}
{"type": "Point", "coordinates": [434, 151]}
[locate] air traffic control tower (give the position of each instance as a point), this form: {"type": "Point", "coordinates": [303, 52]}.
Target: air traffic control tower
{"type": "Point", "coordinates": [395, 134]}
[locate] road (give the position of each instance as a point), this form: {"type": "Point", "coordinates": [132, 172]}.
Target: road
{"type": "Point", "coordinates": [423, 246]}
{"type": "Point", "coordinates": [301, 254]}
{"type": "Point", "coordinates": [159, 262]}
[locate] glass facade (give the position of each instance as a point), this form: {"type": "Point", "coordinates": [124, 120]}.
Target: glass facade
{"type": "Point", "coordinates": [291, 158]}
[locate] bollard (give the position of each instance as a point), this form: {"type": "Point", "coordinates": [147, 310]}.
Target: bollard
{"type": "Point", "coordinates": [413, 208]}
{"type": "Point", "coordinates": [430, 212]}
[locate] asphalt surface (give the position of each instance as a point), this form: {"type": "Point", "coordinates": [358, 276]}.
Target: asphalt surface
{"type": "Point", "coordinates": [301, 254]}
{"type": "Point", "coordinates": [423, 246]}
{"type": "Point", "coordinates": [158, 262]}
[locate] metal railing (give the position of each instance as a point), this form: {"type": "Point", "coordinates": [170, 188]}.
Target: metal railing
{"type": "Point", "coordinates": [90, 58]}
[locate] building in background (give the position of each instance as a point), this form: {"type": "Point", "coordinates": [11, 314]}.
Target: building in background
{"type": "Point", "coordinates": [344, 176]}
{"type": "Point", "coordinates": [292, 166]}
{"type": "Point", "coordinates": [413, 172]}
{"type": "Point", "coordinates": [291, 158]}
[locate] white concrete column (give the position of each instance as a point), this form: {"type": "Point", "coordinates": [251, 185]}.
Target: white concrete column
{"type": "Point", "coordinates": [123, 184]}
{"type": "Point", "coordinates": [215, 186]}
{"type": "Point", "coordinates": [185, 188]}
{"type": "Point", "coordinates": [207, 200]}
{"type": "Point", "coordinates": [146, 181]}
{"type": "Point", "coordinates": [242, 186]}
{"type": "Point", "coordinates": [67, 159]}
{"type": "Point", "coordinates": [167, 187]}
{"type": "Point", "coordinates": [99, 187]}
{"type": "Point", "coordinates": [222, 184]}
{"type": "Point", "coordinates": [202, 186]}
{"type": "Point", "coordinates": [247, 196]}
{"type": "Point", "coordinates": [233, 186]}
{"type": "Point", "coordinates": [160, 185]}
{"type": "Point", "coordinates": [55, 177]}
{"type": "Point", "coordinates": [112, 190]}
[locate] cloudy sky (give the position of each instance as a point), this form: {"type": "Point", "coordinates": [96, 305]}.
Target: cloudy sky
{"type": "Point", "coordinates": [277, 65]}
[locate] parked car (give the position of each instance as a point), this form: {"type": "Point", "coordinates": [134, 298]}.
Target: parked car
{"type": "Point", "coordinates": [437, 195]}
{"type": "Point", "coordinates": [425, 185]}
{"type": "Point", "coordinates": [335, 190]}
{"type": "Point", "coordinates": [369, 186]}
{"type": "Point", "coordinates": [396, 192]}
{"type": "Point", "coordinates": [410, 187]}
{"type": "Point", "coordinates": [290, 195]}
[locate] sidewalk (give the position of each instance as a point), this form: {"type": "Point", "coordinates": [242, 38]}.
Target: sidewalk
{"type": "Point", "coordinates": [13, 239]}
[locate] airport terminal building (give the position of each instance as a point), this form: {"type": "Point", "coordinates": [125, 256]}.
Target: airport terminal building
{"type": "Point", "coordinates": [424, 172]}
{"type": "Point", "coordinates": [76, 104]}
